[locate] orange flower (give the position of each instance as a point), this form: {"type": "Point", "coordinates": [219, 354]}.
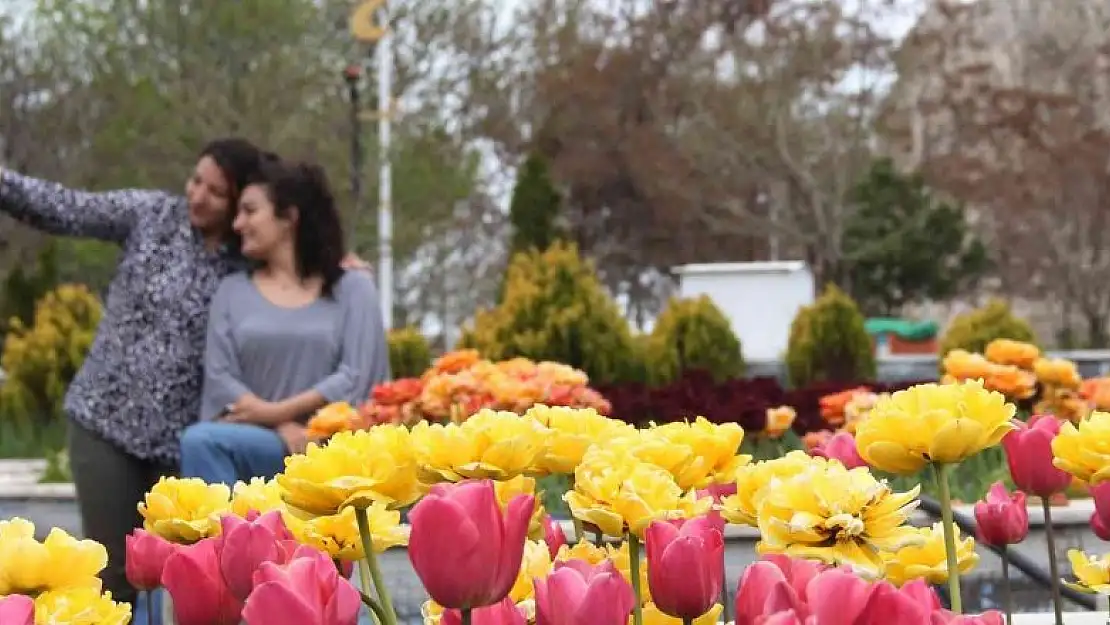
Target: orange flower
{"type": "Point", "coordinates": [332, 419]}
{"type": "Point", "coordinates": [1097, 392]}
{"type": "Point", "coordinates": [832, 406]}
{"type": "Point", "coordinates": [453, 362]}
{"type": "Point", "coordinates": [397, 392]}
{"type": "Point", "coordinates": [1057, 372]}
{"type": "Point", "coordinates": [779, 421]}
{"type": "Point", "coordinates": [815, 439]}
{"type": "Point", "coordinates": [1011, 381]}
{"type": "Point", "coordinates": [1009, 352]}
{"type": "Point", "coordinates": [964, 365]}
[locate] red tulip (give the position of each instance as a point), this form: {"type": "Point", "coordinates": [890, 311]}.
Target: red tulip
{"type": "Point", "coordinates": [200, 595]}
{"type": "Point", "coordinates": [1100, 520]}
{"type": "Point", "coordinates": [841, 446]}
{"type": "Point", "coordinates": [684, 565]}
{"type": "Point", "coordinates": [146, 558]}
{"type": "Point", "coordinates": [306, 591]}
{"type": "Point", "coordinates": [576, 593]}
{"type": "Point", "coordinates": [465, 552]}
{"type": "Point", "coordinates": [17, 610]}
{"type": "Point", "coordinates": [504, 613]}
{"type": "Point", "coordinates": [553, 535]}
{"type": "Point", "coordinates": [246, 543]}
{"type": "Point", "coordinates": [1001, 518]}
{"type": "Point", "coordinates": [1029, 454]}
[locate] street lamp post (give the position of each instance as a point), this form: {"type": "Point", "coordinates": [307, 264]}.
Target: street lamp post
{"type": "Point", "coordinates": [351, 75]}
{"type": "Point", "coordinates": [370, 24]}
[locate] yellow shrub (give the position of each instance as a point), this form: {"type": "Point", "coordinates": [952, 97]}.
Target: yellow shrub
{"type": "Point", "coordinates": [40, 361]}
{"type": "Point", "coordinates": [828, 342]}
{"type": "Point", "coordinates": [554, 308]}
{"type": "Point", "coordinates": [409, 353]}
{"type": "Point", "coordinates": [693, 334]}
{"type": "Point", "coordinates": [975, 329]}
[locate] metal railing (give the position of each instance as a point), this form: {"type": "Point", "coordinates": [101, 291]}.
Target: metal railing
{"type": "Point", "coordinates": [1019, 560]}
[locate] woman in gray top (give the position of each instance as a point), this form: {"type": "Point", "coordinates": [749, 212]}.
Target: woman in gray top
{"type": "Point", "coordinates": [140, 383]}
{"type": "Point", "coordinates": [291, 335]}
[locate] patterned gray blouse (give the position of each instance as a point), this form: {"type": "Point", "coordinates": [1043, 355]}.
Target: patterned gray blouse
{"type": "Point", "coordinates": [141, 382]}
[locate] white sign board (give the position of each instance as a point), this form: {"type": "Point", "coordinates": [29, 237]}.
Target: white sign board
{"type": "Point", "coordinates": [760, 300]}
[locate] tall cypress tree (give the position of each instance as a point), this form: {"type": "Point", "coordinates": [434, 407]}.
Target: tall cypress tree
{"type": "Point", "coordinates": [534, 210]}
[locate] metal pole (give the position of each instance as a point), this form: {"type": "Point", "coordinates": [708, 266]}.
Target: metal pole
{"type": "Point", "coordinates": [384, 51]}
{"type": "Point", "coordinates": [351, 75]}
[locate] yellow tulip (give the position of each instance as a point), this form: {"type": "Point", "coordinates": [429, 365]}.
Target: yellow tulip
{"type": "Point", "coordinates": [60, 562]}
{"type": "Point", "coordinates": [623, 563]}
{"type": "Point", "coordinates": [571, 433]}
{"type": "Point", "coordinates": [185, 510]}
{"type": "Point", "coordinates": [697, 454]}
{"type": "Point", "coordinates": [259, 494]}
{"type": "Point", "coordinates": [928, 560]}
{"type": "Point", "coordinates": [779, 421]}
{"type": "Point", "coordinates": [507, 490]}
{"type": "Point", "coordinates": [1084, 451]}
{"type": "Point", "coordinates": [652, 616]}
{"type": "Point", "coordinates": [489, 445]}
{"type": "Point", "coordinates": [535, 564]}
{"type": "Point", "coordinates": [941, 423]}
{"type": "Point", "coordinates": [80, 606]}
{"type": "Point", "coordinates": [614, 490]}
{"type": "Point", "coordinates": [1092, 573]}
{"type": "Point", "coordinates": [838, 516]}
{"type": "Point", "coordinates": [353, 469]}
{"type": "Point", "coordinates": [337, 535]}
{"type": "Point", "coordinates": [583, 550]}
{"type": "Point", "coordinates": [752, 481]}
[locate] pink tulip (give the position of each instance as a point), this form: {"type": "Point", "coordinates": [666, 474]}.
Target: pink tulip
{"type": "Point", "coordinates": [17, 610]}
{"type": "Point", "coordinates": [1029, 454]}
{"type": "Point", "coordinates": [465, 552]}
{"type": "Point", "coordinates": [841, 446]}
{"type": "Point", "coordinates": [944, 617]}
{"type": "Point", "coordinates": [1100, 520]}
{"type": "Point", "coordinates": [767, 588]}
{"type": "Point", "coordinates": [576, 593]}
{"type": "Point", "coordinates": [200, 595]}
{"type": "Point", "coordinates": [553, 535]}
{"type": "Point", "coordinates": [504, 613]}
{"type": "Point", "coordinates": [684, 565]}
{"type": "Point", "coordinates": [246, 543]}
{"type": "Point", "coordinates": [717, 491]}
{"type": "Point", "coordinates": [1001, 518]}
{"type": "Point", "coordinates": [146, 558]}
{"type": "Point", "coordinates": [306, 591]}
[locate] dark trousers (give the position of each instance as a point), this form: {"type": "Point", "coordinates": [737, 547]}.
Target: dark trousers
{"type": "Point", "coordinates": [110, 484]}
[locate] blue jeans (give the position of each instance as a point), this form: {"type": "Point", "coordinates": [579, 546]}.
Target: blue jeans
{"type": "Point", "coordinates": [219, 452]}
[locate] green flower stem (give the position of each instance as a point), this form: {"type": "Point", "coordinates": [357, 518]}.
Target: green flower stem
{"type": "Point", "coordinates": [375, 609]}
{"type": "Point", "coordinates": [371, 563]}
{"type": "Point", "coordinates": [634, 573]}
{"type": "Point", "coordinates": [945, 494]}
{"type": "Point", "coordinates": [687, 621]}
{"type": "Point", "coordinates": [1007, 596]}
{"type": "Point", "coordinates": [465, 616]}
{"type": "Point", "coordinates": [1053, 567]}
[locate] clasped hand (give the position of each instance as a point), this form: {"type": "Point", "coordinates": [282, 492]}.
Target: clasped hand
{"type": "Point", "coordinates": [253, 409]}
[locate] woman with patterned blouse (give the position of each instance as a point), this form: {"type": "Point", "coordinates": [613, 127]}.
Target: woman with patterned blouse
{"type": "Point", "coordinates": [140, 384]}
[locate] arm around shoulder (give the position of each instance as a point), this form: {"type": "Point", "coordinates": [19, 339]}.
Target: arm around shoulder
{"type": "Point", "coordinates": [56, 209]}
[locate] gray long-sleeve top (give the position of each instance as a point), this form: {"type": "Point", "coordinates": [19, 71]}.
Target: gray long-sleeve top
{"type": "Point", "coordinates": [140, 383]}
{"type": "Point", "coordinates": [335, 345]}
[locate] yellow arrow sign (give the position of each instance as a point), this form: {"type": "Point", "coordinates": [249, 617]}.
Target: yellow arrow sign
{"type": "Point", "coordinates": [363, 24]}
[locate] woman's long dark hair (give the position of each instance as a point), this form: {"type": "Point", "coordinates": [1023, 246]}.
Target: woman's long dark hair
{"type": "Point", "coordinates": [239, 161]}
{"type": "Point", "coordinates": [319, 246]}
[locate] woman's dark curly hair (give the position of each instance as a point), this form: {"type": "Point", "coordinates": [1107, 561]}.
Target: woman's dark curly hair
{"type": "Point", "coordinates": [319, 247]}
{"type": "Point", "coordinates": [239, 161]}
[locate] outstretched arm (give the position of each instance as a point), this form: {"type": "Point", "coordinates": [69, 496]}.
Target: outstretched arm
{"type": "Point", "coordinates": [55, 209]}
